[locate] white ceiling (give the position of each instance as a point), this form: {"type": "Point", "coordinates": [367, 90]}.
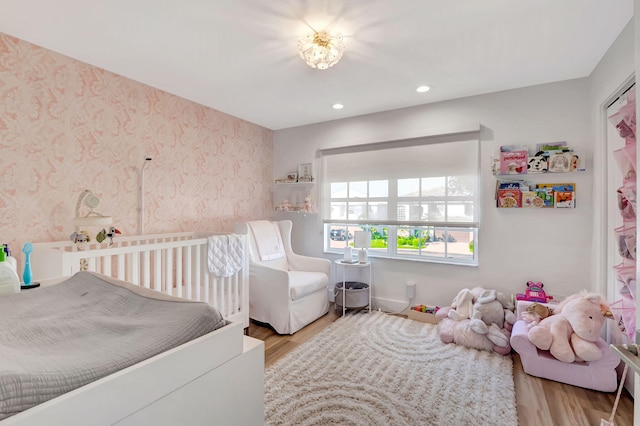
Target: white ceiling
{"type": "Point", "coordinates": [240, 57]}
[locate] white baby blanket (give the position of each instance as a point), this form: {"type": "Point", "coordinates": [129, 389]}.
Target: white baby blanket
{"type": "Point", "coordinates": [225, 254]}
{"type": "Point", "coordinates": [268, 239]}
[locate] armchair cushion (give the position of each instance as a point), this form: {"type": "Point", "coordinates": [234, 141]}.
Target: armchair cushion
{"type": "Point", "coordinates": [304, 283]}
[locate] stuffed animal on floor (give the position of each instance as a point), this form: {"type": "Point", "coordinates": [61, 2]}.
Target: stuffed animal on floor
{"type": "Point", "coordinates": [462, 304]}
{"type": "Point", "coordinates": [461, 333]}
{"type": "Point", "coordinates": [492, 307]}
{"type": "Point", "coordinates": [570, 333]}
{"type": "Point", "coordinates": [478, 318]}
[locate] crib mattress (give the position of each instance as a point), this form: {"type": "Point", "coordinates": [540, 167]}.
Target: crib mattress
{"type": "Point", "coordinates": [55, 339]}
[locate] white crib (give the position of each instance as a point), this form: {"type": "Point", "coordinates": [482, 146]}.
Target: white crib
{"type": "Point", "coordinates": [174, 264]}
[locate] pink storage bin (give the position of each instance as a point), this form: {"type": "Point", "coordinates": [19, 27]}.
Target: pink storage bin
{"type": "Point", "coordinates": [627, 202]}
{"type": "Point", "coordinates": [626, 160]}
{"type": "Point", "coordinates": [624, 311]}
{"type": "Point", "coordinates": [626, 280]}
{"type": "Point", "coordinates": [626, 241]}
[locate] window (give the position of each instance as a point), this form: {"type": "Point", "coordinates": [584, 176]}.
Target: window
{"type": "Point", "coordinates": [418, 199]}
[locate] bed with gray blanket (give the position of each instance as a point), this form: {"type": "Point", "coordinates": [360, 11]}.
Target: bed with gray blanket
{"type": "Point", "coordinates": [58, 338]}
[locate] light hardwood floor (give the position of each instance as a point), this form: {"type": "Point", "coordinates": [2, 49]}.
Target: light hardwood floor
{"type": "Point", "coordinates": [539, 402]}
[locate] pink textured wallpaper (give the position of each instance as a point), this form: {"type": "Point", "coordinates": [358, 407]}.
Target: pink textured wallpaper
{"type": "Point", "coordinates": [66, 126]}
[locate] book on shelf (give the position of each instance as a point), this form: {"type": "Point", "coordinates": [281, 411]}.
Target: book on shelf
{"type": "Point", "coordinates": [509, 198]}
{"type": "Point", "coordinates": [564, 199]}
{"type": "Point", "coordinates": [552, 193]}
{"type": "Point", "coordinates": [526, 194]}
{"type": "Point", "coordinates": [513, 162]}
{"type": "Point", "coordinates": [531, 199]}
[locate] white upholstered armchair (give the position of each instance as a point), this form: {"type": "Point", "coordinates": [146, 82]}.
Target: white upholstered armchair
{"type": "Point", "coordinates": [286, 290]}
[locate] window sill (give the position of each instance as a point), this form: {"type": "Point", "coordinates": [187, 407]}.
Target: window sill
{"type": "Point", "coordinates": [409, 259]}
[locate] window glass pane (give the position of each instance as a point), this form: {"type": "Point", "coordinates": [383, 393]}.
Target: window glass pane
{"type": "Point", "coordinates": [339, 190]}
{"type": "Point", "coordinates": [409, 211]}
{"type": "Point", "coordinates": [410, 241]}
{"type": "Point", "coordinates": [357, 210]}
{"type": "Point", "coordinates": [338, 210]}
{"type": "Point", "coordinates": [436, 245]}
{"type": "Point", "coordinates": [357, 189]}
{"type": "Point", "coordinates": [458, 243]}
{"type": "Point", "coordinates": [434, 211]}
{"type": "Point", "coordinates": [433, 187]}
{"type": "Point", "coordinates": [379, 188]}
{"type": "Point", "coordinates": [408, 187]}
{"type": "Point", "coordinates": [339, 236]}
{"type": "Point", "coordinates": [460, 211]}
{"type": "Point", "coordinates": [462, 185]}
{"type": "Point", "coordinates": [378, 210]}
{"type": "Point", "coordinates": [379, 236]}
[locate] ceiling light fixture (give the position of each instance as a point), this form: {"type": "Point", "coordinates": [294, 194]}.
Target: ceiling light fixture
{"type": "Point", "coordinates": [337, 106]}
{"type": "Point", "coordinates": [321, 50]}
{"type": "Point", "coordinates": [422, 89]}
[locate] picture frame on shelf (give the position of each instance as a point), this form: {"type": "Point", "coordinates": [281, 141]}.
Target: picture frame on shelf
{"type": "Point", "coordinates": [291, 177]}
{"type": "Point", "coordinates": [305, 171]}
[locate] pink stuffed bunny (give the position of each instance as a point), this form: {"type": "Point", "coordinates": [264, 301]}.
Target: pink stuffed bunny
{"type": "Point", "coordinates": [571, 332]}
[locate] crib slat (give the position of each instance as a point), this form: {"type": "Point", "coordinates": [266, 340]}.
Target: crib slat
{"type": "Point", "coordinates": [189, 269]}
{"type": "Point", "coordinates": [135, 268]}
{"type": "Point", "coordinates": [146, 269]}
{"type": "Point", "coordinates": [179, 278]}
{"type": "Point", "coordinates": [121, 270]}
{"type": "Point", "coordinates": [106, 265]}
{"type": "Point", "coordinates": [216, 285]}
{"type": "Point", "coordinates": [198, 280]}
{"type": "Point", "coordinates": [157, 269]}
{"type": "Point", "coordinates": [168, 271]}
{"type": "Point", "coordinates": [236, 294]}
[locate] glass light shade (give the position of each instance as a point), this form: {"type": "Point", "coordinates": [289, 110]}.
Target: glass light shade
{"type": "Point", "coordinates": [321, 50]}
{"type": "Point", "coordinates": [362, 239]}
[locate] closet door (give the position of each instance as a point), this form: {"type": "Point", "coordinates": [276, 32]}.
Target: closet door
{"type": "Point", "coordinates": [622, 205]}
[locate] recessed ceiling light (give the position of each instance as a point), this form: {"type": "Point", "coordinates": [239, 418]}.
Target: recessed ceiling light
{"type": "Point", "coordinates": [338, 106]}
{"type": "Point", "coordinates": [422, 89]}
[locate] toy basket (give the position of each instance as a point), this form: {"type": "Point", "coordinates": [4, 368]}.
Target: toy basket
{"type": "Point", "coordinates": [357, 295]}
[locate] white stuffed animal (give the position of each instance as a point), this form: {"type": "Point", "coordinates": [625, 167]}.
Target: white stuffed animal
{"type": "Point", "coordinates": [462, 305]}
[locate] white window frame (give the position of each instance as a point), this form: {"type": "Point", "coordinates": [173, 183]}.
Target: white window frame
{"type": "Point", "coordinates": [393, 224]}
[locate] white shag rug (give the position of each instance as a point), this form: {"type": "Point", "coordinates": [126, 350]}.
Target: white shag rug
{"type": "Point", "coordinates": [378, 369]}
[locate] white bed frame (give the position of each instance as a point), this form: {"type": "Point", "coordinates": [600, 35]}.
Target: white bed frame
{"type": "Point", "coordinates": [215, 379]}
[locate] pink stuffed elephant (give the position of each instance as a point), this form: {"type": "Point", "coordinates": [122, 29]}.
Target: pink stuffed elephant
{"type": "Point", "coordinates": [571, 332]}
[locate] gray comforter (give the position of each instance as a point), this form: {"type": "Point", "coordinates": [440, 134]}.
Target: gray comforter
{"type": "Point", "coordinates": [55, 339]}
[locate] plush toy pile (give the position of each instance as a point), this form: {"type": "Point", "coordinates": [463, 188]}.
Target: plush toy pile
{"type": "Point", "coordinates": [570, 333]}
{"type": "Point", "coordinates": [478, 318]}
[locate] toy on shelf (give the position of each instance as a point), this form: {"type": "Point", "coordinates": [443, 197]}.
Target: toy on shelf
{"type": "Point", "coordinates": [285, 206]}
{"type": "Point", "coordinates": [308, 206]}
{"type": "Point", "coordinates": [534, 293]}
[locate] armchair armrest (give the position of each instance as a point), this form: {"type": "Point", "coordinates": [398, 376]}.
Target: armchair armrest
{"type": "Point", "coordinates": [306, 263]}
{"type": "Point", "coordinates": [520, 339]}
{"type": "Point", "coordinates": [268, 282]}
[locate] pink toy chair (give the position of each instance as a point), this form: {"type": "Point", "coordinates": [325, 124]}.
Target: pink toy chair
{"type": "Point", "coordinates": [599, 375]}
